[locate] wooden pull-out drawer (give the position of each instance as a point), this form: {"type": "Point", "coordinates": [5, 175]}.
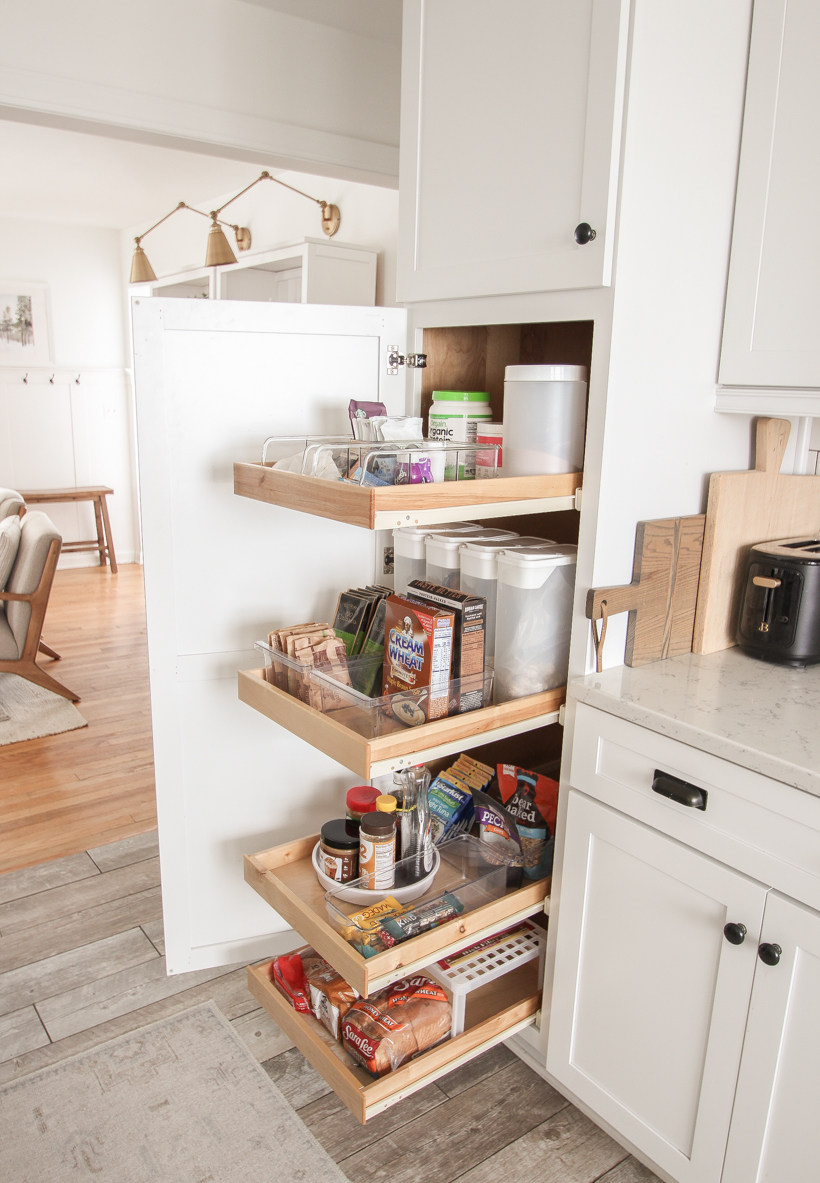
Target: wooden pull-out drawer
{"type": "Point", "coordinates": [284, 876]}
{"type": "Point", "coordinates": [494, 1013]}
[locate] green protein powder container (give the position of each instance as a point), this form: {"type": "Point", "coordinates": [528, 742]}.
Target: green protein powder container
{"type": "Point", "coordinates": [455, 416]}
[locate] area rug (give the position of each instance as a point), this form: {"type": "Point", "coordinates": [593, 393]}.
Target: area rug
{"type": "Point", "coordinates": [29, 712]}
{"type": "Point", "coordinates": [179, 1101]}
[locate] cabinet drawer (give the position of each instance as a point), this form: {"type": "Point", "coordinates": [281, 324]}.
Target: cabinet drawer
{"type": "Point", "coordinates": [494, 1013]}
{"type": "Point", "coordinates": [284, 876]}
{"type": "Point", "coordinates": [762, 827]}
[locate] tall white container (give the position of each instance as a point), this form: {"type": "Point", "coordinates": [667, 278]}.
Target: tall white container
{"type": "Point", "coordinates": [443, 563]}
{"type": "Point", "coordinates": [544, 417]}
{"type": "Point", "coordinates": [533, 617]}
{"type": "Point", "coordinates": [409, 558]}
{"type": "Point", "coordinates": [479, 576]}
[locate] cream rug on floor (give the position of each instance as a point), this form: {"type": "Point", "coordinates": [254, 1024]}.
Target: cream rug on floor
{"type": "Point", "coordinates": [180, 1101]}
{"type": "Point", "coordinates": [28, 712]}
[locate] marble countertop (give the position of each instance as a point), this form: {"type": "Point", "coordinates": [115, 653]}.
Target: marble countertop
{"type": "Point", "coordinates": [762, 716]}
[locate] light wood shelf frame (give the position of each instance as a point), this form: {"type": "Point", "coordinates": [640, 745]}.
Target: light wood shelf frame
{"type": "Point", "coordinates": [284, 877]}
{"type": "Point", "coordinates": [407, 505]}
{"type": "Point", "coordinates": [365, 1096]}
{"type": "Point", "coordinates": [374, 757]}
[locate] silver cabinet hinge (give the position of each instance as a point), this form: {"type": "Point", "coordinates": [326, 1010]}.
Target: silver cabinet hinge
{"type": "Point", "coordinates": [395, 359]}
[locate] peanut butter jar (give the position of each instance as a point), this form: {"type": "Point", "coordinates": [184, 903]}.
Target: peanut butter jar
{"type": "Point", "coordinates": [339, 850]}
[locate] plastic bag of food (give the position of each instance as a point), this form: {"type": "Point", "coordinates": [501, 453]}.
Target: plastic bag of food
{"type": "Point", "coordinates": [532, 800]}
{"type": "Point", "coordinates": [497, 829]}
{"type": "Point", "coordinates": [330, 995]}
{"type": "Point", "coordinates": [288, 975]}
{"type": "Point", "coordinates": [384, 1031]}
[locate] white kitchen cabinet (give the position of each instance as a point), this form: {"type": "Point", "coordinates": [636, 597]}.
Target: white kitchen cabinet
{"type": "Point", "coordinates": [775, 1134]}
{"type": "Point", "coordinates": [510, 138]}
{"type": "Point", "coordinates": [773, 299]}
{"type": "Point", "coordinates": [649, 998]}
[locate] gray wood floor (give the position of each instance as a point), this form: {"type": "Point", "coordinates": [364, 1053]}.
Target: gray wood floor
{"type": "Point", "coordinates": [81, 961]}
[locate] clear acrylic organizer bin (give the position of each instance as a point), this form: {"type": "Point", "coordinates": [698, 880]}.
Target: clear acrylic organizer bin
{"type": "Point", "coordinates": [345, 693]}
{"type": "Point", "coordinates": [470, 875]}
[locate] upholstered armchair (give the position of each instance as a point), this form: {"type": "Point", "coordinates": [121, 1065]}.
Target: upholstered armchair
{"type": "Point", "coordinates": [24, 601]}
{"type": "Point", "coordinates": [11, 503]}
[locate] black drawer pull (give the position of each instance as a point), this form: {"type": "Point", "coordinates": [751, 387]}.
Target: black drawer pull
{"type": "Point", "coordinates": [679, 790]}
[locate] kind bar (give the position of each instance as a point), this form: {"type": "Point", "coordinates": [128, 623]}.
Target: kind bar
{"type": "Point", "coordinates": [468, 641]}
{"type": "Point", "coordinates": [410, 924]}
{"type": "Point", "coordinates": [417, 651]}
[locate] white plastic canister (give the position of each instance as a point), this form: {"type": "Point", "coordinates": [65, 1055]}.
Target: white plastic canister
{"type": "Point", "coordinates": [443, 562]}
{"type": "Point", "coordinates": [409, 559]}
{"type": "Point", "coordinates": [479, 576]}
{"type": "Point", "coordinates": [533, 618]}
{"type": "Point", "coordinates": [544, 416]}
{"type": "Point", "coordinates": [455, 415]}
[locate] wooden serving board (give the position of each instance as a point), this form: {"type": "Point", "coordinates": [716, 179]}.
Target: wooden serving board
{"type": "Point", "coordinates": [745, 508]}
{"type": "Point", "coordinates": [663, 593]}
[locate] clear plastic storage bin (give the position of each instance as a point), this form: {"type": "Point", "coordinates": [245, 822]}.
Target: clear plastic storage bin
{"type": "Point", "coordinates": [341, 692]}
{"type": "Point", "coordinates": [409, 558]}
{"type": "Point", "coordinates": [533, 618]}
{"type": "Point", "coordinates": [469, 876]}
{"type": "Point", "coordinates": [479, 576]}
{"type": "Point", "coordinates": [443, 566]}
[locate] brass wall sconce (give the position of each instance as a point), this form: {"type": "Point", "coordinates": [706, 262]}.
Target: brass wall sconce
{"type": "Point", "coordinates": [218, 251]}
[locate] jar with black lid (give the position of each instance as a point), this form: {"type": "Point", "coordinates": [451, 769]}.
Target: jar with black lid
{"type": "Point", "coordinates": [339, 850]}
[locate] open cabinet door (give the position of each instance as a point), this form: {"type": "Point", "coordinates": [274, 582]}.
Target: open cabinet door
{"type": "Point", "coordinates": [212, 381]}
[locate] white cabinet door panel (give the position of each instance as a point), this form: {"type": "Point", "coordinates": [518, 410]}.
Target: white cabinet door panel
{"type": "Point", "coordinates": [773, 300]}
{"type": "Point", "coordinates": [213, 379]}
{"type": "Point", "coordinates": [775, 1134]}
{"type": "Point", "coordinates": [649, 999]}
{"type": "Point", "coordinates": [510, 138]}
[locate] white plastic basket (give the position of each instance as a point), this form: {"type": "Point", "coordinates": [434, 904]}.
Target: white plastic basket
{"type": "Point", "coordinates": [485, 962]}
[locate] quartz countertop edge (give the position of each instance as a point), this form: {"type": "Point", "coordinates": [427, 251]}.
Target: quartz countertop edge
{"type": "Point", "coordinates": [756, 714]}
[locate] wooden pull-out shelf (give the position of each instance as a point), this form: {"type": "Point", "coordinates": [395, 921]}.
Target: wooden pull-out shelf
{"type": "Point", "coordinates": [494, 1013]}
{"type": "Point", "coordinates": [407, 505]}
{"type": "Point", "coordinates": [373, 757]}
{"type": "Point", "coordinates": [284, 876]}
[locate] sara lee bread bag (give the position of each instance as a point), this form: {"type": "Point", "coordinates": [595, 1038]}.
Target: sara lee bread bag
{"type": "Point", "coordinates": [390, 1027]}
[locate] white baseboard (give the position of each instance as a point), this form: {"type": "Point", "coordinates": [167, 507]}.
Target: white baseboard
{"type": "Point", "coordinates": [91, 559]}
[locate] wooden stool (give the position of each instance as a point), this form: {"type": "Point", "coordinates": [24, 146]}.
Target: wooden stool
{"type": "Point", "coordinates": [96, 493]}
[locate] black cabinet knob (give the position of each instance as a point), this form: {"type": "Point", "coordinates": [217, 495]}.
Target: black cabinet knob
{"type": "Point", "coordinates": [735, 933]}
{"type": "Point", "coordinates": [769, 954]}
{"type": "Point", "coordinates": [584, 233]}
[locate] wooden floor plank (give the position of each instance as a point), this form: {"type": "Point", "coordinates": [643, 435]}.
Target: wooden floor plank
{"type": "Point", "coordinates": [299, 1082]}
{"type": "Point", "coordinates": [18, 884]}
{"type": "Point", "coordinates": [262, 1035]}
{"type": "Point", "coordinates": [73, 898]}
{"type": "Point", "coordinates": [567, 1148]}
{"type": "Point", "coordinates": [123, 854]}
{"type": "Point", "coordinates": [118, 994]}
{"type": "Point", "coordinates": [155, 931]}
{"type": "Point", "coordinates": [629, 1171]}
{"type": "Point", "coordinates": [465, 1130]}
{"type": "Point", "coordinates": [21, 1032]}
{"type": "Point", "coordinates": [77, 967]}
{"type": "Point", "coordinates": [89, 787]}
{"type": "Point", "coordinates": [342, 1135]}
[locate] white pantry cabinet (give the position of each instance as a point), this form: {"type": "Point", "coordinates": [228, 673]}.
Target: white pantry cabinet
{"type": "Point", "coordinates": [650, 999]}
{"type": "Point", "coordinates": [773, 299]}
{"type": "Point", "coordinates": [510, 139]}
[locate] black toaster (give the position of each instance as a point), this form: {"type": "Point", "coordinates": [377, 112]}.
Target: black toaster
{"type": "Point", "coordinates": [780, 606]}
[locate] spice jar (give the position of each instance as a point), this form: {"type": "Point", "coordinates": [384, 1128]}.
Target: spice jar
{"type": "Point", "coordinates": [360, 799]}
{"type": "Point", "coordinates": [387, 803]}
{"type": "Point", "coordinates": [339, 850]}
{"type": "Point", "coordinates": [377, 850]}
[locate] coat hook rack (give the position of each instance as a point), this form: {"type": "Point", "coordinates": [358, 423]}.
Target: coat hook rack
{"type": "Point", "coordinates": [77, 380]}
{"type": "Point", "coordinates": [25, 380]}
{"type": "Point", "coordinates": [51, 379]}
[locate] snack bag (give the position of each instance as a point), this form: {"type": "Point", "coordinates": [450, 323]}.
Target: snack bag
{"type": "Point", "coordinates": [330, 995]}
{"type": "Point", "coordinates": [533, 801]}
{"type": "Point", "coordinates": [288, 975]}
{"type": "Point", "coordinates": [497, 829]}
{"type": "Point", "coordinates": [384, 1031]}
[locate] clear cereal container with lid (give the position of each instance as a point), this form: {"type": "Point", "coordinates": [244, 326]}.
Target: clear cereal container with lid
{"type": "Point", "coordinates": [478, 559]}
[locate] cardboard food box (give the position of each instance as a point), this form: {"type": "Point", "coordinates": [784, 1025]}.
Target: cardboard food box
{"type": "Point", "coordinates": [468, 641]}
{"type": "Point", "coordinates": [418, 644]}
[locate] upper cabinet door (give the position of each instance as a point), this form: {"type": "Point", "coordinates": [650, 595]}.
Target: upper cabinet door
{"type": "Point", "coordinates": [510, 137]}
{"type": "Point", "coordinates": [773, 301]}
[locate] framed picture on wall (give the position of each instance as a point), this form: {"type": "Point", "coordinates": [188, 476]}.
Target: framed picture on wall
{"type": "Point", "coordinates": [25, 337]}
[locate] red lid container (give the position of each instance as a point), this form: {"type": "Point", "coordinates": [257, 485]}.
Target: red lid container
{"type": "Point", "coordinates": [361, 799]}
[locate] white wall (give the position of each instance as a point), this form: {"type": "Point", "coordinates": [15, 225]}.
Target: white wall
{"type": "Point", "coordinates": [62, 433]}
{"type": "Point", "coordinates": [274, 215]}
{"type": "Point", "coordinates": [225, 77]}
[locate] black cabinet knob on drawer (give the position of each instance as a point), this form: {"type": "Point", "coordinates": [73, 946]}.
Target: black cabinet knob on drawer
{"type": "Point", "coordinates": [735, 933]}
{"type": "Point", "coordinates": [584, 233]}
{"type": "Point", "coordinates": [769, 954]}
{"type": "Point", "coordinates": [679, 790]}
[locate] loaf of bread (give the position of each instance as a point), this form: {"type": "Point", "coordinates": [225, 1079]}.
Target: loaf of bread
{"type": "Point", "coordinates": [396, 1024]}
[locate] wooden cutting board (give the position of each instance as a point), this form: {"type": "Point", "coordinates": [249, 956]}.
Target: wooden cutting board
{"type": "Point", "coordinates": [663, 593]}
{"type": "Point", "coordinates": [745, 508]}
